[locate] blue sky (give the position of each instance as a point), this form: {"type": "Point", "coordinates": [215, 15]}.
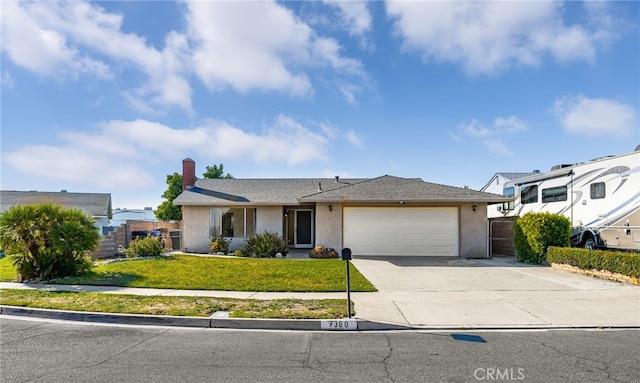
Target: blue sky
{"type": "Point", "coordinates": [111, 96]}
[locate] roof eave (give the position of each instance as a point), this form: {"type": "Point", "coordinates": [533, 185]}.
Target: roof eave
{"type": "Point", "coordinates": [247, 204]}
{"type": "Point", "coordinates": [412, 200]}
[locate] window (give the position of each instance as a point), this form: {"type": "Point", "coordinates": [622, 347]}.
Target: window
{"type": "Point", "coordinates": [598, 190]}
{"type": "Point", "coordinates": [554, 194]}
{"type": "Point", "coordinates": [232, 222]}
{"type": "Point", "coordinates": [508, 192]}
{"type": "Point", "coordinates": [528, 194]}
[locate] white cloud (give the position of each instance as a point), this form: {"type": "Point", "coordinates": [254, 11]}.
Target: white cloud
{"type": "Point", "coordinates": [353, 138]}
{"type": "Point", "coordinates": [119, 152]}
{"type": "Point", "coordinates": [492, 136]}
{"type": "Point", "coordinates": [596, 116]}
{"type": "Point", "coordinates": [354, 16]}
{"type": "Point", "coordinates": [8, 80]}
{"type": "Point", "coordinates": [228, 52]}
{"type": "Point", "coordinates": [243, 45]}
{"type": "Point", "coordinates": [486, 37]}
{"type": "Point", "coordinates": [333, 132]}
{"type": "Point", "coordinates": [77, 165]}
{"type": "Point", "coordinates": [273, 54]}
{"type": "Point", "coordinates": [54, 38]}
{"type": "Point", "coordinates": [40, 48]}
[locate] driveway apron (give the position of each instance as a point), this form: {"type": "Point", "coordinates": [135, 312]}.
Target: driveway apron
{"type": "Point", "coordinates": [487, 293]}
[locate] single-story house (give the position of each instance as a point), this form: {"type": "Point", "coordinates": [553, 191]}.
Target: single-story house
{"type": "Point", "coordinates": [96, 204]}
{"type": "Point", "coordinates": [382, 216]}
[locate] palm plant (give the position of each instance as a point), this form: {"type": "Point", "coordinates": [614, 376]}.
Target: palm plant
{"type": "Point", "coordinates": [47, 241]}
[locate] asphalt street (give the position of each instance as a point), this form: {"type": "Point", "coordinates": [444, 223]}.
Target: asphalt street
{"type": "Point", "coordinates": [53, 351]}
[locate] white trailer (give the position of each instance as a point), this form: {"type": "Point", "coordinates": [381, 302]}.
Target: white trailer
{"type": "Point", "coordinates": [600, 197]}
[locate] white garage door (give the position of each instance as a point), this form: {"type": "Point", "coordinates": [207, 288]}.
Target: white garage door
{"type": "Point", "coordinates": [401, 231]}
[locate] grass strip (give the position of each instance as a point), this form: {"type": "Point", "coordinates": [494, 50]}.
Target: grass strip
{"type": "Point", "coordinates": [227, 274]}
{"type": "Point", "coordinates": [176, 306]}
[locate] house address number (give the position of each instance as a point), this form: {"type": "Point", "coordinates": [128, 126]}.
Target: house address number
{"type": "Point", "coordinates": [339, 324]}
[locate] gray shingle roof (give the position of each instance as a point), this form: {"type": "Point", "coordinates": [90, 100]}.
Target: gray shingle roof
{"type": "Point", "coordinates": [96, 204]}
{"type": "Point", "coordinates": [267, 191]}
{"type": "Point", "coordinates": [296, 191]}
{"type": "Point", "coordinates": [395, 189]}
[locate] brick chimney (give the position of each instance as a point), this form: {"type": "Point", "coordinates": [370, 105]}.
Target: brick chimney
{"type": "Point", "coordinates": [188, 173]}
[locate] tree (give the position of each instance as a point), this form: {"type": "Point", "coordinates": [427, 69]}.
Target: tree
{"type": "Point", "coordinates": [167, 211]}
{"type": "Point", "coordinates": [216, 172]}
{"type": "Point", "coordinates": [47, 241]}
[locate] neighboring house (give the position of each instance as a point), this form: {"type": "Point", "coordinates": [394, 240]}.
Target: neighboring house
{"type": "Point", "coordinates": [383, 216]}
{"type": "Point", "coordinates": [121, 216]}
{"type": "Point", "coordinates": [96, 204]}
{"type": "Point", "coordinates": [496, 186]}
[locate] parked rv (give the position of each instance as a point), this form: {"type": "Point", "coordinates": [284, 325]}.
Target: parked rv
{"type": "Point", "coordinates": [601, 198]}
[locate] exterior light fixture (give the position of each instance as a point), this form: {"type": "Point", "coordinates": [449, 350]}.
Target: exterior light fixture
{"type": "Point", "coordinates": [474, 207]}
{"type": "Point", "coordinates": [330, 207]}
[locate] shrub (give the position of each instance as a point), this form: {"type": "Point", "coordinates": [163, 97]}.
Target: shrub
{"type": "Point", "coordinates": [241, 253]}
{"type": "Point", "coordinates": [219, 245]}
{"type": "Point", "coordinates": [535, 232]}
{"type": "Point", "coordinates": [322, 252]}
{"type": "Point", "coordinates": [145, 247]}
{"type": "Point", "coordinates": [47, 241]}
{"type": "Point", "coordinates": [266, 245]}
{"type": "Point", "coordinates": [625, 263]}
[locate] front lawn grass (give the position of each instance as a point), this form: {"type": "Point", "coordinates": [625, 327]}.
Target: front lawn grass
{"type": "Point", "coordinates": [228, 274]}
{"type": "Point", "coordinates": [177, 306]}
{"type": "Point", "coordinates": [8, 271]}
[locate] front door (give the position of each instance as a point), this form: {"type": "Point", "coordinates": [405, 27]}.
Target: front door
{"type": "Point", "coordinates": [304, 228]}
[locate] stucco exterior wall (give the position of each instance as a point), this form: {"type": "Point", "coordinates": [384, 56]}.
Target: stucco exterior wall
{"type": "Point", "coordinates": [269, 218]}
{"type": "Point", "coordinates": [195, 229]}
{"type": "Point", "coordinates": [473, 231]}
{"type": "Point", "coordinates": [329, 226]}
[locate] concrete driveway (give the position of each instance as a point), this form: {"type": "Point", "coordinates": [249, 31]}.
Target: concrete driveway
{"type": "Point", "coordinates": [487, 293]}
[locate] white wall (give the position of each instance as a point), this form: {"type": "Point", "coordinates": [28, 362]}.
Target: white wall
{"type": "Point", "coordinates": [269, 218]}
{"type": "Point", "coordinates": [195, 229]}
{"type": "Point", "coordinates": [329, 226]}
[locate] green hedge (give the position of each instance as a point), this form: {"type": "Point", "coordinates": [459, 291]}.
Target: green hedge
{"type": "Point", "coordinates": [625, 263]}
{"type": "Point", "coordinates": [535, 232]}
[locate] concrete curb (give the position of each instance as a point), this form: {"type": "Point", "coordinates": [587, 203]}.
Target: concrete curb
{"type": "Point", "coordinates": [261, 324]}
{"type": "Point", "coordinates": [197, 322]}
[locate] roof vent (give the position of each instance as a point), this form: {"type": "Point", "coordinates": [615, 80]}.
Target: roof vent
{"type": "Point", "coordinates": [637, 149]}
{"type": "Point", "coordinates": [337, 179]}
{"type": "Point", "coordinates": [535, 171]}
{"type": "Point", "coordinates": [63, 191]}
{"type": "Point", "coordinates": [319, 186]}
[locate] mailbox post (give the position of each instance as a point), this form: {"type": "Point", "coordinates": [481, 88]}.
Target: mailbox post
{"type": "Point", "coordinates": [346, 256]}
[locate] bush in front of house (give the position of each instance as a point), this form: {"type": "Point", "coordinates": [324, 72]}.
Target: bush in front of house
{"type": "Point", "coordinates": [321, 252]}
{"type": "Point", "coordinates": [145, 247]}
{"type": "Point", "coordinates": [621, 262]}
{"type": "Point", "coordinates": [535, 232]}
{"type": "Point", "coordinates": [219, 245]}
{"type": "Point", "coordinates": [266, 245]}
{"type": "Point", "coordinates": [241, 253]}
{"type": "Point", "coordinates": [47, 241]}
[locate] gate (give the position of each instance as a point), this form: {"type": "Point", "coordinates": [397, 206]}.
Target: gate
{"type": "Point", "coordinates": [501, 236]}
